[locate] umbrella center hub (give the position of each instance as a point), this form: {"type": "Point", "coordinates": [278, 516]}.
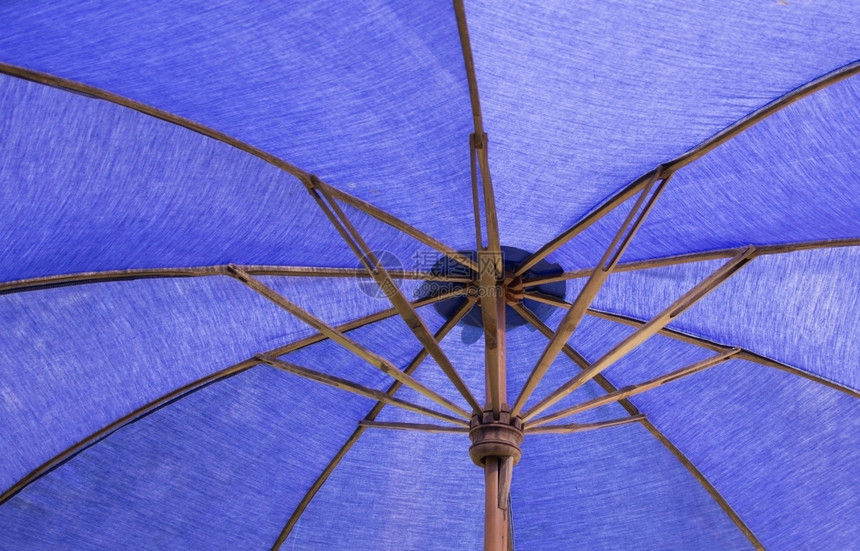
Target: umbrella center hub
{"type": "Point", "coordinates": [495, 437]}
{"type": "Point", "coordinates": [516, 289]}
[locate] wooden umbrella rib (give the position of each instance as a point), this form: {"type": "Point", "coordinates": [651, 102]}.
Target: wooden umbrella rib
{"type": "Point", "coordinates": [361, 322]}
{"type": "Point", "coordinates": [361, 351]}
{"type": "Point", "coordinates": [82, 278]}
{"type": "Point", "coordinates": [744, 353]}
{"type": "Point", "coordinates": [476, 206]}
{"type": "Point", "coordinates": [339, 219]}
{"type": "Point", "coordinates": [98, 93]}
{"type": "Point", "coordinates": [632, 410]}
{"type": "Point", "coordinates": [478, 144]}
{"type": "Point", "coordinates": [132, 417]}
{"type": "Point", "coordinates": [651, 328]}
{"type": "Point", "coordinates": [761, 250]}
{"type": "Point", "coordinates": [781, 248]}
{"type": "Point", "coordinates": [601, 272]}
{"type": "Point", "coordinates": [583, 427]}
{"type": "Point", "coordinates": [371, 416]}
{"type": "Point", "coordinates": [469, 62]}
{"type": "Point", "coordinates": [419, 427]}
{"type": "Point", "coordinates": [764, 112]}
{"type": "Point", "coordinates": [490, 211]}
{"type": "Point", "coordinates": [355, 388]}
{"type": "Point", "coordinates": [633, 390]}
{"type": "Point", "coordinates": [395, 222]}
{"type": "Point", "coordinates": [626, 320]}
{"type": "Point", "coordinates": [763, 360]}
{"type": "Point", "coordinates": [574, 356]}
{"type": "Point", "coordinates": [191, 387]}
{"type": "Point", "coordinates": [357, 273]}
{"type": "Point", "coordinates": [625, 236]}
{"type": "Point", "coordinates": [315, 487]}
{"type": "Point", "coordinates": [697, 152]}
{"type": "Point", "coordinates": [543, 298]}
{"type": "Point", "coordinates": [705, 483]}
{"type": "Point", "coordinates": [85, 278]}
{"type": "Point", "coordinates": [665, 331]}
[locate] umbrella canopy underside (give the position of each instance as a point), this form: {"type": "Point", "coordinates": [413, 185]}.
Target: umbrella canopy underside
{"type": "Point", "coordinates": [190, 194]}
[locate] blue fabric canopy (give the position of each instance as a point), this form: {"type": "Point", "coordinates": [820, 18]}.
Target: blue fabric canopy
{"type": "Point", "coordinates": [229, 233]}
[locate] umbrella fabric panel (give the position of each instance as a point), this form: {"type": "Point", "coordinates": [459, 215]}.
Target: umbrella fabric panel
{"type": "Point", "coordinates": [396, 490]}
{"type": "Point", "coordinates": [465, 348]}
{"type": "Point", "coordinates": [531, 345]}
{"type": "Point", "coordinates": [582, 99]}
{"type": "Point", "coordinates": [464, 358]}
{"type": "Point", "coordinates": [219, 469]}
{"type": "Point", "coordinates": [791, 178]}
{"type": "Point", "coordinates": [395, 342]}
{"type": "Point", "coordinates": [370, 96]}
{"type": "Point", "coordinates": [75, 359]}
{"type": "Point", "coordinates": [616, 488]}
{"type": "Point", "coordinates": [584, 251]}
{"type": "Point", "coordinates": [657, 356]}
{"type": "Point", "coordinates": [619, 487]}
{"type": "Point", "coordinates": [781, 449]}
{"type": "Point", "coordinates": [390, 338]}
{"type": "Point", "coordinates": [523, 350]}
{"type": "Point", "coordinates": [594, 337]}
{"type": "Point", "coordinates": [336, 300]}
{"type": "Point", "coordinates": [799, 308]}
{"type": "Point", "coordinates": [88, 185]}
{"type": "Point", "coordinates": [394, 249]}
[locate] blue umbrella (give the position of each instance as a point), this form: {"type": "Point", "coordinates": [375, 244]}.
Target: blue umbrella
{"type": "Point", "coordinates": [383, 275]}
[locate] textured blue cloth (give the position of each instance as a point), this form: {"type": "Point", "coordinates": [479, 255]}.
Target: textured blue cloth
{"type": "Point", "coordinates": [579, 99]}
{"type": "Point", "coordinates": [294, 79]}
{"type": "Point", "coordinates": [791, 178]}
{"type": "Point", "coordinates": [582, 99]}
{"type": "Point", "coordinates": [800, 308]}
{"type": "Point", "coordinates": [241, 451]}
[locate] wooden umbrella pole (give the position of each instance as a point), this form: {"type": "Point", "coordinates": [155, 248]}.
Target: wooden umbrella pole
{"type": "Point", "coordinates": [497, 469]}
{"type": "Point", "coordinates": [495, 436]}
{"type": "Point", "coordinates": [495, 518]}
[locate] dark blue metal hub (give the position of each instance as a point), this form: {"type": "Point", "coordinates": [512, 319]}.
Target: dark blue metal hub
{"type": "Point", "coordinates": [512, 257]}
